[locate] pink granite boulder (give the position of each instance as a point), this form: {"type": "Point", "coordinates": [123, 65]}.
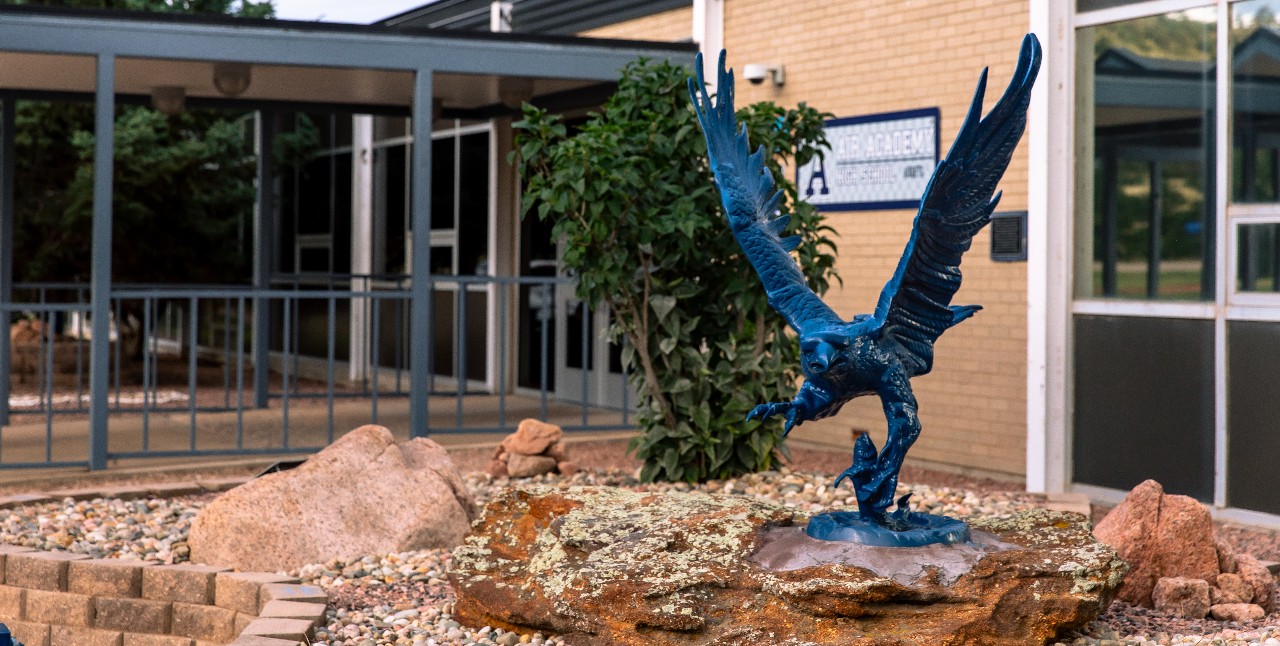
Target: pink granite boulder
{"type": "Point", "coordinates": [1159, 535]}
{"type": "Point", "coordinates": [1183, 597]}
{"type": "Point", "coordinates": [363, 494]}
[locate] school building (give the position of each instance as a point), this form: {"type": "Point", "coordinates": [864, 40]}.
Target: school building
{"type": "Point", "coordinates": [1131, 284]}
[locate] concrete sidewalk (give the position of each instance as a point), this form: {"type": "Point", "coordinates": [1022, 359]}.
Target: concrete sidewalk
{"type": "Point", "coordinates": [308, 427]}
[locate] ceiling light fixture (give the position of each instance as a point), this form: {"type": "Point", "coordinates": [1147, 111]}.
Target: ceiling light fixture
{"type": "Point", "coordinates": [231, 79]}
{"type": "Point", "coordinates": [169, 99]}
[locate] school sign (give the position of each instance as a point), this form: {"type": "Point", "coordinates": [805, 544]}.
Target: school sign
{"type": "Point", "coordinates": [876, 162]}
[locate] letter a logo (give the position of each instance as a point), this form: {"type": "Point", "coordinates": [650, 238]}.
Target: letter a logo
{"type": "Point", "coordinates": [818, 174]}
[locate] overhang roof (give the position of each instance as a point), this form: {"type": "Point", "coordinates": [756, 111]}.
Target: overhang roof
{"type": "Point", "coordinates": [369, 68]}
{"type": "Point", "coordinates": [563, 17]}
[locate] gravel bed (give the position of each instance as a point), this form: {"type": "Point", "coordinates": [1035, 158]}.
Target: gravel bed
{"type": "Point", "coordinates": [405, 598]}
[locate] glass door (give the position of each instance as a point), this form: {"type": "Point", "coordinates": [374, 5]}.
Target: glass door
{"type": "Point", "coordinates": [588, 366]}
{"type": "Point", "coordinates": [461, 210]}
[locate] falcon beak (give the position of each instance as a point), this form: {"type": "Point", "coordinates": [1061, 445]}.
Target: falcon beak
{"type": "Point", "coordinates": [822, 356]}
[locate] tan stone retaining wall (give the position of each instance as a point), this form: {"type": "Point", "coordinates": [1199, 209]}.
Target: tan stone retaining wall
{"type": "Point", "coordinates": [64, 599]}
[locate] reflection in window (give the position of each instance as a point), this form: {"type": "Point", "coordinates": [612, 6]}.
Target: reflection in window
{"type": "Point", "coordinates": [1091, 5]}
{"type": "Point", "coordinates": [1144, 169]}
{"type": "Point", "coordinates": [1258, 258]}
{"type": "Point", "coordinates": [1255, 78]}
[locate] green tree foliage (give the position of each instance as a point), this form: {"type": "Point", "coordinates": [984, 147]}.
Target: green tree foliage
{"type": "Point", "coordinates": [183, 183]}
{"type": "Point", "coordinates": [238, 8]}
{"type": "Point", "coordinates": [630, 195]}
{"type": "Point", "coordinates": [1179, 37]}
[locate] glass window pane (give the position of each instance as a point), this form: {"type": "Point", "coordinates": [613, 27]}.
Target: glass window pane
{"type": "Point", "coordinates": [1255, 81]}
{"type": "Point", "coordinates": [1253, 415]}
{"type": "Point", "coordinates": [1258, 258]}
{"type": "Point", "coordinates": [1144, 403]}
{"type": "Point", "coordinates": [443, 167]}
{"type": "Point", "coordinates": [1144, 171]}
{"type": "Point", "coordinates": [396, 203]}
{"type": "Point", "coordinates": [473, 204]}
{"type": "Point", "coordinates": [442, 261]}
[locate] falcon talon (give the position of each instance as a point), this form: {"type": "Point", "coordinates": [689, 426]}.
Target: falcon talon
{"type": "Point", "coordinates": [877, 353]}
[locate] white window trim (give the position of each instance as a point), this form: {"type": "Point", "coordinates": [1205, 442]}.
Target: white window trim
{"type": "Point", "coordinates": [1051, 147]}
{"type": "Point", "coordinates": [1135, 10]}
{"type": "Point", "coordinates": [1144, 309]}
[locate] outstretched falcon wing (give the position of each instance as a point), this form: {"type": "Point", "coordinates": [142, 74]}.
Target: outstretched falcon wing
{"type": "Point", "coordinates": [751, 202]}
{"type": "Point", "coordinates": [915, 305]}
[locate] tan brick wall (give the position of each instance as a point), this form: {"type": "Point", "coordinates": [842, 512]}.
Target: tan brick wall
{"type": "Point", "coordinates": [888, 55]}
{"type": "Point", "coordinates": [881, 56]}
{"type": "Point", "coordinates": [676, 24]}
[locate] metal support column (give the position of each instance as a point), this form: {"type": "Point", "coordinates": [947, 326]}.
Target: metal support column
{"type": "Point", "coordinates": [8, 168]}
{"type": "Point", "coordinates": [420, 292]}
{"type": "Point", "coordinates": [264, 248]}
{"type": "Point", "coordinates": [363, 257]}
{"type": "Point", "coordinates": [104, 132]}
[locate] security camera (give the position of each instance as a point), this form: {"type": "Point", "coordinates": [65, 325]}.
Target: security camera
{"type": "Point", "coordinates": [755, 73]}
{"type": "Point", "coordinates": [758, 72]}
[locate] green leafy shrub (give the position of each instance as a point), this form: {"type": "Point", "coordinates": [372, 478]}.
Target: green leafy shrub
{"type": "Point", "coordinates": [630, 195]}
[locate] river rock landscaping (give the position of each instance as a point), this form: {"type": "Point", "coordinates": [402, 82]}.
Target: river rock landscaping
{"type": "Point", "coordinates": [405, 598]}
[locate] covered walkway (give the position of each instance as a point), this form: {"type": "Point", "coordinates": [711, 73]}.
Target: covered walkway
{"type": "Point", "coordinates": [115, 58]}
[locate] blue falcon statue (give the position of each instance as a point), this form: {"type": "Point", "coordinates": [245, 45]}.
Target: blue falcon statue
{"type": "Point", "coordinates": [878, 353]}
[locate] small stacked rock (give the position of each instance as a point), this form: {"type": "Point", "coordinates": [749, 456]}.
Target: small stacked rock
{"type": "Point", "coordinates": [533, 450]}
{"type": "Point", "coordinates": [1176, 565]}
{"type": "Point", "coordinates": [26, 331]}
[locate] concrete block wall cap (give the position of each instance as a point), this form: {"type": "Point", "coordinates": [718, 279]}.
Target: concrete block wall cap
{"type": "Point", "coordinates": [180, 583]}
{"type": "Point", "coordinates": [257, 640]}
{"type": "Point", "coordinates": [296, 629]}
{"type": "Point", "coordinates": [259, 577]}
{"type": "Point", "coordinates": [196, 567]}
{"type": "Point", "coordinates": [106, 577]}
{"type": "Point", "coordinates": [239, 591]}
{"type": "Point", "coordinates": [290, 592]}
{"type": "Point", "coordinates": [39, 570]}
{"type": "Point", "coordinates": [50, 556]}
{"type": "Point", "coordinates": [313, 612]}
{"type": "Point", "coordinates": [14, 549]}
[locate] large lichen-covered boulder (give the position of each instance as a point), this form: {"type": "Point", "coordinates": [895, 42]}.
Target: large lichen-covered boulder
{"type": "Point", "coordinates": [363, 494]}
{"type": "Point", "coordinates": [605, 566]}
